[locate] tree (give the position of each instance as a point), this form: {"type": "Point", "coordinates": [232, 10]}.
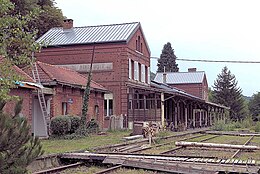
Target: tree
{"type": "Point", "coordinates": [226, 92]}
{"type": "Point", "coordinates": [254, 106]}
{"type": "Point", "coordinates": [17, 147]}
{"type": "Point", "coordinates": [48, 15]}
{"type": "Point", "coordinates": [167, 60]}
{"type": "Point", "coordinates": [210, 95]}
{"type": "Point", "coordinates": [16, 45]}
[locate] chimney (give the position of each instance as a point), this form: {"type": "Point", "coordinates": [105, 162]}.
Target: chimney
{"type": "Point", "coordinates": [67, 24]}
{"type": "Point", "coordinates": [192, 69]}
{"type": "Point", "coordinates": [164, 75]}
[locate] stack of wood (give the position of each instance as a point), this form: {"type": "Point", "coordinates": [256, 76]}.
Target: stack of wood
{"type": "Point", "coordinates": [214, 145]}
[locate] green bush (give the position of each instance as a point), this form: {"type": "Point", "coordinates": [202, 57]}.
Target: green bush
{"type": "Point", "coordinates": [220, 125]}
{"type": "Point", "coordinates": [247, 122]}
{"type": "Point", "coordinates": [75, 122]}
{"type": "Point", "coordinates": [60, 125]}
{"type": "Point", "coordinates": [257, 126]}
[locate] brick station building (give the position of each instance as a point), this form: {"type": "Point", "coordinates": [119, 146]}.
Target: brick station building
{"type": "Point", "coordinates": [121, 63]}
{"type": "Point", "coordinates": [193, 82]}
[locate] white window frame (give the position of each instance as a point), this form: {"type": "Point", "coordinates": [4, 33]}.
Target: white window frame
{"type": "Point", "coordinates": [142, 73]}
{"type": "Point", "coordinates": [136, 71]}
{"type": "Point", "coordinates": [149, 78]}
{"type": "Point", "coordinates": [129, 69]}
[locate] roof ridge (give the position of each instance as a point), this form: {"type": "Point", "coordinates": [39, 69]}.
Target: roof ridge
{"type": "Point", "coordinates": [102, 25]}
{"type": "Point", "coordinates": [182, 72]}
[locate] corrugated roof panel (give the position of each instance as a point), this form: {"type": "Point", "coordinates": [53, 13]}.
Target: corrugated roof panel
{"type": "Point", "coordinates": [181, 77]}
{"type": "Point", "coordinates": [89, 34]}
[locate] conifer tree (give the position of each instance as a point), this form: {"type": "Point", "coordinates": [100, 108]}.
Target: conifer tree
{"type": "Point", "coordinates": [167, 60]}
{"type": "Point", "coordinates": [254, 106]}
{"type": "Point", "coordinates": [226, 92]}
{"type": "Point", "coordinates": [17, 147]}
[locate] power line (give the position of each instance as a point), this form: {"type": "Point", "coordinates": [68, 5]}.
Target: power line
{"type": "Point", "coordinates": [213, 61]}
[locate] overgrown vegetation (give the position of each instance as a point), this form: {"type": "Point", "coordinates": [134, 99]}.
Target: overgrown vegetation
{"type": "Point", "coordinates": [67, 127]}
{"type": "Point", "coordinates": [84, 143]}
{"type": "Point", "coordinates": [246, 124]}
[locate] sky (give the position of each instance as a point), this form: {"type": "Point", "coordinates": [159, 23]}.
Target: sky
{"type": "Point", "coordinates": [197, 29]}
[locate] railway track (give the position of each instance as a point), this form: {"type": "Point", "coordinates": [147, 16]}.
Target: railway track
{"type": "Point", "coordinates": [127, 155]}
{"type": "Point", "coordinates": [58, 169]}
{"type": "Point", "coordinates": [126, 146]}
{"type": "Point", "coordinates": [169, 163]}
{"type": "Point", "coordinates": [178, 148]}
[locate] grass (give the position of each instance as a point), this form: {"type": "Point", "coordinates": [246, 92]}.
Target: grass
{"type": "Point", "coordinates": [94, 169]}
{"type": "Point", "coordinates": [60, 145]}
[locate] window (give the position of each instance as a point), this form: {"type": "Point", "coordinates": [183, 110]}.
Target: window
{"type": "Point", "coordinates": [108, 104]}
{"type": "Point", "coordinates": [64, 108]}
{"type": "Point", "coordinates": [136, 71]}
{"type": "Point", "coordinates": [139, 71]}
{"type": "Point", "coordinates": [146, 74]}
{"type": "Point", "coordinates": [133, 69]}
{"type": "Point", "coordinates": [96, 111]}
{"type": "Point", "coordinates": [138, 44]}
{"type": "Point", "coordinates": [149, 78]}
{"type": "Point", "coordinates": [142, 73]}
{"type": "Point", "coordinates": [129, 68]}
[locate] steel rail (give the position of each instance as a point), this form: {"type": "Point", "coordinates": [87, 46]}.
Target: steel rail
{"type": "Point", "coordinates": [57, 169]}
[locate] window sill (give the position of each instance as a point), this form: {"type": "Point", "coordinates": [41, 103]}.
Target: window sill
{"type": "Point", "coordinates": [139, 52]}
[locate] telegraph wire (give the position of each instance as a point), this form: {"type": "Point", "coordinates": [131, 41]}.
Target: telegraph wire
{"type": "Point", "coordinates": [212, 61]}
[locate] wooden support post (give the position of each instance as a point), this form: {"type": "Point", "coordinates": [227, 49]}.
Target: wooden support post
{"type": "Point", "coordinates": [206, 119]}
{"type": "Point", "coordinates": [200, 113]}
{"type": "Point", "coordinates": [162, 109]}
{"type": "Point", "coordinates": [186, 116]}
{"type": "Point", "coordinates": [175, 116]}
{"type": "Point", "coordinates": [194, 114]}
{"type": "Point", "coordinates": [178, 113]}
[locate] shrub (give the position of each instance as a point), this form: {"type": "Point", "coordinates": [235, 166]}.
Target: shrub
{"type": "Point", "coordinates": [220, 125]}
{"type": "Point", "coordinates": [60, 125]}
{"type": "Point", "coordinates": [75, 121]}
{"type": "Point", "coordinates": [247, 122]}
{"type": "Point", "coordinates": [257, 127]}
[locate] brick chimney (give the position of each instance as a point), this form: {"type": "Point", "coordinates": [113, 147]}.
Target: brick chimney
{"type": "Point", "coordinates": [192, 69]}
{"type": "Point", "coordinates": [67, 24]}
{"type": "Point", "coordinates": [164, 75]}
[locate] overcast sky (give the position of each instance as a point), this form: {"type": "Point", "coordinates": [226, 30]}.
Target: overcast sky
{"type": "Point", "coordinates": [197, 29]}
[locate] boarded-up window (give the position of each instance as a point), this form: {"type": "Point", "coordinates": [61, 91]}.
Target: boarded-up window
{"type": "Point", "coordinates": [142, 73]}
{"type": "Point", "coordinates": [136, 71]}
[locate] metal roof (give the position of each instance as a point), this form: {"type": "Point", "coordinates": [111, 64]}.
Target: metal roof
{"type": "Point", "coordinates": [181, 77]}
{"type": "Point", "coordinates": [89, 34]}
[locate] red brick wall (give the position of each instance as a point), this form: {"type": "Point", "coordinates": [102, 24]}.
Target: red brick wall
{"type": "Point", "coordinates": [64, 94]}
{"type": "Point", "coordinates": [198, 89]}
{"type": "Point", "coordinates": [26, 94]}
{"type": "Point", "coordinates": [194, 89]}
